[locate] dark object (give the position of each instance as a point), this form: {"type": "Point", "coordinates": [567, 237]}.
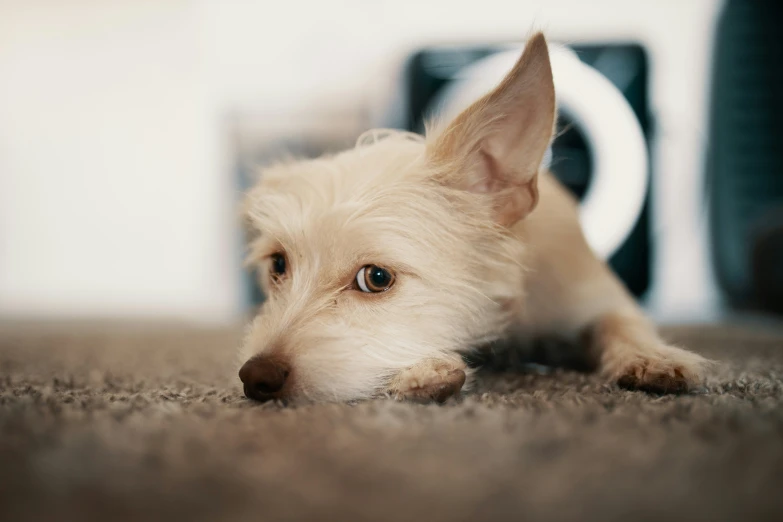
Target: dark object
{"type": "Point", "coordinates": [768, 266]}
{"type": "Point", "coordinates": [745, 157]}
{"type": "Point", "coordinates": [524, 354]}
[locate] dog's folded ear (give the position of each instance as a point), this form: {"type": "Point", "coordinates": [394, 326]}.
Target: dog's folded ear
{"type": "Point", "coordinates": [496, 145]}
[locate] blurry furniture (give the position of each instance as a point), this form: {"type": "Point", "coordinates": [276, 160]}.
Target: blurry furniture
{"type": "Point", "coordinates": [745, 156]}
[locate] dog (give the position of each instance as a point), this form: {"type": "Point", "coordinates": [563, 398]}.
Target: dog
{"type": "Point", "coordinates": [384, 264]}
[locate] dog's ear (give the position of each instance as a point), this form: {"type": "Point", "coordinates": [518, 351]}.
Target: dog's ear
{"type": "Point", "coordinates": [496, 145]}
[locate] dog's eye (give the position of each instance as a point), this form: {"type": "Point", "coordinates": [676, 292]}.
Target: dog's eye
{"type": "Point", "coordinates": [374, 279]}
{"type": "Point", "coordinates": [278, 265]}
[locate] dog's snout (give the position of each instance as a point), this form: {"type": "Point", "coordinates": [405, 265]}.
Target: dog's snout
{"type": "Point", "coordinates": [263, 378]}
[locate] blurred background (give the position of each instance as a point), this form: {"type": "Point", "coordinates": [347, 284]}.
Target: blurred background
{"type": "Point", "coordinates": [128, 131]}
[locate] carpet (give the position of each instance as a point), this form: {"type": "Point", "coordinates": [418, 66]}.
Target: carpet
{"type": "Point", "coordinates": [131, 422]}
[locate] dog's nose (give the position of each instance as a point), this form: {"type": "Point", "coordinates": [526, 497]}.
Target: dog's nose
{"type": "Point", "coordinates": [263, 377]}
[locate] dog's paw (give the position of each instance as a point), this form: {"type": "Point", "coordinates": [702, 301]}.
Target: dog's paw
{"type": "Point", "coordinates": [657, 369]}
{"type": "Point", "coordinates": [432, 380]}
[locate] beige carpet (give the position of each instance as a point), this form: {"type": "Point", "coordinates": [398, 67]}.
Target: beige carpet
{"type": "Point", "coordinates": [127, 423]}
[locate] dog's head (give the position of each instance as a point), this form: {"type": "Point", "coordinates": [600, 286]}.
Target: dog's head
{"type": "Point", "coordinates": [397, 250]}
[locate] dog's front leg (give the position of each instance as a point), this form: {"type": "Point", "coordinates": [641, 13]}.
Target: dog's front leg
{"type": "Point", "coordinates": [586, 298]}
{"type": "Point", "coordinates": [630, 353]}
{"type": "Point", "coordinates": [430, 380]}
{"type": "Point", "coordinates": [570, 291]}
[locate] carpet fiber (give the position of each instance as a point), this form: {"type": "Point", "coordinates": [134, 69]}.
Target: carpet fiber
{"type": "Point", "coordinates": [131, 423]}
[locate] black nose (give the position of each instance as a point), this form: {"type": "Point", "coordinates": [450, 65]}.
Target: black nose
{"type": "Point", "coordinates": [263, 377]}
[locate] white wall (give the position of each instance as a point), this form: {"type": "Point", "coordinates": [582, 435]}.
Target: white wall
{"type": "Point", "coordinates": [115, 186]}
{"type": "Point", "coordinates": [108, 177]}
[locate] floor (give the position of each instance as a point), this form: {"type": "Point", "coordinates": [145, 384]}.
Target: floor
{"type": "Point", "coordinates": [134, 422]}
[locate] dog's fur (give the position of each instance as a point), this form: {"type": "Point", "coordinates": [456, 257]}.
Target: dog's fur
{"type": "Point", "coordinates": [452, 216]}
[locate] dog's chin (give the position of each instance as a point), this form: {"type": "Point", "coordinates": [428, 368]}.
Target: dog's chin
{"type": "Point", "coordinates": [314, 395]}
{"type": "Point", "coordinates": [308, 390]}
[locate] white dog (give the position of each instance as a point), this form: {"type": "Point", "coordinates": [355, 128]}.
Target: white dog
{"type": "Point", "coordinates": [383, 264]}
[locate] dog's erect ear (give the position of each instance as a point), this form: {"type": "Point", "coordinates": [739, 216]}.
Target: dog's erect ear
{"type": "Point", "coordinates": [496, 145]}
